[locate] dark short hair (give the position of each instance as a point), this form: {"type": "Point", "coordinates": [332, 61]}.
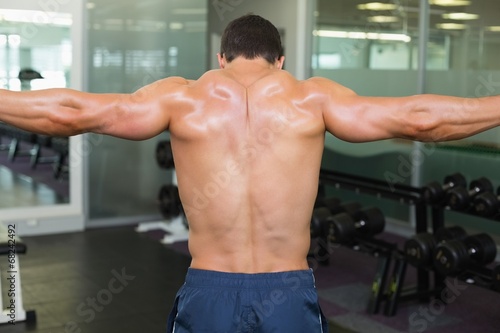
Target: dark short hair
{"type": "Point", "coordinates": [251, 36]}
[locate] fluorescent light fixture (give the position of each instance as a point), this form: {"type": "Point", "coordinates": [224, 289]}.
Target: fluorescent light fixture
{"type": "Point", "coordinates": [383, 19]}
{"type": "Point", "coordinates": [450, 3]}
{"type": "Point", "coordinates": [451, 26]}
{"type": "Point", "coordinates": [377, 6]}
{"type": "Point", "coordinates": [494, 28]}
{"type": "Point", "coordinates": [460, 16]}
{"type": "Point", "coordinates": [189, 11]}
{"type": "Point", "coordinates": [90, 5]}
{"type": "Point", "coordinates": [37, 17]}
{"type": "Point", "coordinates": [176, 26]}
{"type": "Point", "coordinates": [362, 35]}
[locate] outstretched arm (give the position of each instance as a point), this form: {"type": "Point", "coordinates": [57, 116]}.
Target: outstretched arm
{"type": "Point", "coordinates": [427, 117]}
{"type": "Point", "coordinates": [65, 112]}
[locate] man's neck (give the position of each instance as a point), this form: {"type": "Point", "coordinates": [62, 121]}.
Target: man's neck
{"type": "Point", "coordinates": [251, 64]}
{"type": "Point", "coordinates": [247, 71]}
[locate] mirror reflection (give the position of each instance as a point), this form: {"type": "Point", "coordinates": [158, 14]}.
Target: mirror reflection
{"type": "Point", "coordinates": [35, 53]}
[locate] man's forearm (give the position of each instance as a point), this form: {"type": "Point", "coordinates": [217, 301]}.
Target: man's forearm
{"type": "Point", "coordinates": [47, 112]}
{"type": "Point", "coordinates": [443, 118]}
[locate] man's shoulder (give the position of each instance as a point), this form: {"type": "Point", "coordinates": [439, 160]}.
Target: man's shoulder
{"type": "Point", "coordinates": [325, 85]}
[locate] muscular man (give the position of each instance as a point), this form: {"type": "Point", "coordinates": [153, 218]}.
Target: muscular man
{"type": "Point", "coordinates": [247, 141]}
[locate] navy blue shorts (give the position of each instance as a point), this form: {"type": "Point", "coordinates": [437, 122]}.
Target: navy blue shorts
{"type": "Point", "coordinates": [217, 302]}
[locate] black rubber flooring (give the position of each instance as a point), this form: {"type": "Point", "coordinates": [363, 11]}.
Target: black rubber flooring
{"type": "Point", "coordinates": [112, 280]}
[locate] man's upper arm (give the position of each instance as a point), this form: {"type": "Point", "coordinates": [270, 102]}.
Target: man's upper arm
{"type": "Point", "coordinates": [142, 114]}
{"type": "Point", "coordinates": [355, 118]}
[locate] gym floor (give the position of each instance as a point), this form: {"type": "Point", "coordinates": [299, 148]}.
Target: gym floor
{"type": "Point", "coordinates": [100, 281]}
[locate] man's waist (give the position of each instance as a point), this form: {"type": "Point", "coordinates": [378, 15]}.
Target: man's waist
{"type": "Point", "coordinates": [275, 280]}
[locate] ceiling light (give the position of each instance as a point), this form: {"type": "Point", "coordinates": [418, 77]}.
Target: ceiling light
{"type": "Point", "coordinates": [495, 28]}
{"type": "Point", "coordinates": [451, 26]}
{"type": "Point", "coordinates": [37, 17]}
{"type": "Point", "coordinates": [377, 6]}
{"type": "Point", "coordinates": [189, 11]}
{"type": "Point", "coordinates": [176, 26]}
{"type": "Point", "coordinates": [450, 3]}
{"type": "Point", "coordinates": [383, 19]}
{"type": "Point", "coordinates": [460, 16]}
{"type": "Point", "coordinates": [362, 35]}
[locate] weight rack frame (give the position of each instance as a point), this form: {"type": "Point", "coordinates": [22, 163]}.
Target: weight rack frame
{"type": "Point", "coordinates": [386, 252]}
{"type": "Point", "coordinates": [404, 194]}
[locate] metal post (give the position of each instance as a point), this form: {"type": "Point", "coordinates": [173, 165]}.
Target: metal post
{"type": "Point", "coordinates": [416, 179]}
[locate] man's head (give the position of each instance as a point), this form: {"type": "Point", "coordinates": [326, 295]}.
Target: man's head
{"type": "Point", "coordinates": [251, 37]}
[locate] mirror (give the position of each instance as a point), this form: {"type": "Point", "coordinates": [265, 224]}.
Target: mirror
{"type": "Point", "coordinates": [35, 53]}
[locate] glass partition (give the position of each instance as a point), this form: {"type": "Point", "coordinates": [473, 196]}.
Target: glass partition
{"type": "Point", "coordinates": [373, 48]}
{"type": "Point", "coordinates": [473, 35]}
{"type": "Point", "coordinates": [131, 44]}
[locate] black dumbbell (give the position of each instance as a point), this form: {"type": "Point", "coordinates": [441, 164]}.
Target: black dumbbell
{"type": "Point", "coordinates": [459, 198]}
{"type": "Point", "coordinates": [319, 221]}
{"type": "Point", "coordinates": [435, 192]}
{"type": "Point", "coordinates": [496, 278]}
{"type": "Point", "coordinates": [455, 256]}
{"type": "Point", "coordinates": [327, 207]}
{"type": "Point", "coordinates": [366, 222]}
{"type": "Point", "coordinates": [420, 248]}
{"type": "Point", "coordinates": [170, 201]}
{"type": "Point", "coordinates": [164, 155]}
{"type": "Point", "coordinates": [487, 204]}
{"type": "Point", "coordinates": [336, 206]}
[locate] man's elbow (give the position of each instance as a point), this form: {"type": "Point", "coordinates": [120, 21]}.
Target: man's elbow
{"type": "Point", "coordinates": [67, 122]}
{"type": "Point", "coordinates": [421, 126]}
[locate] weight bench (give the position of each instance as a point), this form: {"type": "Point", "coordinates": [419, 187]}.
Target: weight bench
{"type": "Point", "coordinates": [17, 136]}
{"type": "Point", "coordinates": [10, 247]}
{"type": "Point", "coordinates": [3, 134]}
{"type": "Point", "coordinates": [60, 149]}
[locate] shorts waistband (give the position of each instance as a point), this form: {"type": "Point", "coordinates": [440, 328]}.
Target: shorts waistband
{"type": "Point", "coordinates": [289, 279]}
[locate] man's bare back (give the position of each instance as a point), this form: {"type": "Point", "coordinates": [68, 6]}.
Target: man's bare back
{"type": "Point", "coordinates": [247, 142]}
{"type": "Point", "coordinates": [247, 156]}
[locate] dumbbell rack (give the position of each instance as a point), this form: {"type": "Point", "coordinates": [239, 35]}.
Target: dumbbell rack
{"type": "Point", "coordinates": [393, 294]}
{"type": "Point", "coordinates": [384, 251]}
{"type": "Point", "coordinates": [475, 274]}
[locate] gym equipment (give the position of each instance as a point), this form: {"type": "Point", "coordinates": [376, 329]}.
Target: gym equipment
{"type": "Point", "coordinates": [327, 202]}
{"type": "Point", "coordinates": [17, 136]}
{"type": "Point", "coordinates": [455, 256]}
{"type": "Point", "coordinates": [169, 201]}
{"type": "Point", "coordinates": [459, 198]}
{"type": "Point", "coordinates": [325, 209]}
{"type": "Point", "coordinates": [496, 278]}
{"type": "Point", "coordinates": [420, 248]}
{"type": "Point", "coordinates": [366, 222]}
{"type": "Point", "coordinates": [335, 205]}
{"type": "Point", "coordinates": [164, 155]}
{"type": "Point", "coordinates": [435, 192]}
{"type": "Point", "coordinates": [487, 204]}
{"type": "Point", "coordinates": [3, 133]}
{"type": "Point", "coordinates": [319, 220]}
{"type": "Point", "coordinates": [176, 228]}
{"type": "Point", "coordinates": [447, 234]}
